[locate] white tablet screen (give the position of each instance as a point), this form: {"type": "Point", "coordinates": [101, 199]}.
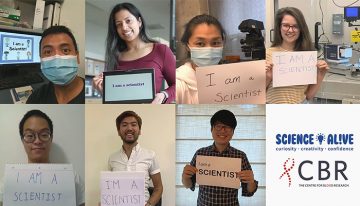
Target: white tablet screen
{"type": "Point", "coordinates": [126, 87]}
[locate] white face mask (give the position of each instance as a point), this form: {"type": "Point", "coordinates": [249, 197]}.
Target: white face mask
{"type": "Point", "coordinates": [206, 56]}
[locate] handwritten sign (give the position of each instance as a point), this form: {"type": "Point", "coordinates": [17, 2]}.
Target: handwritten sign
{"type": "Point", "coordinates": [39, 185]}
{"type": "Point", "coordinates": [218, 171]}
{"type": "Point", "coordinates": [238, 83]}
{"type": "Point", "coordinates": [122, 188]}
{"type": "Point", "coordinates": [294, 68]}
{"type": "Point", "coordinates": [16, 48]}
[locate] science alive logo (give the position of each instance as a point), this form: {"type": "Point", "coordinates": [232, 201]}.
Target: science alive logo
{"type": "Point", "coordinates": [315, 142]}
{"type": "Point", "coordinates": [328, 174]}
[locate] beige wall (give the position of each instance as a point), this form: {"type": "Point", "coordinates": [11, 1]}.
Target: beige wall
{"type": "Point", "coordinates": [73, 16]}
{"type": "Point", "coordinates": [186, 10]}
{"type": "Point", "coordinates": [101, 140]}
{"type": "Point", "coordinates": [269, 22]}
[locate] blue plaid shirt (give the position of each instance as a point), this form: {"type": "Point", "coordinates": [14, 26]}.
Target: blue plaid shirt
{"type": "Point", "coordinates": [221, 196]}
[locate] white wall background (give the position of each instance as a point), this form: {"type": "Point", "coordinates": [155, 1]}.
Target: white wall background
{"type": "Point", "coordinates": [73, 16]}
{"type": "Point", "coordinates": [68, 140]}
{"type": "Point", "coordinates": [96, 31]}
{"type": "Point", "coordinates": [157, 134]}
{"type": "Point", "coordinates": [155, 12]}
{"type": "Point", "coordinates": [269, 4]}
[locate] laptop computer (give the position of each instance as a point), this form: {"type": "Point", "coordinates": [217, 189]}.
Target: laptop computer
{"type": "Point", "coordinates": [126, 87]}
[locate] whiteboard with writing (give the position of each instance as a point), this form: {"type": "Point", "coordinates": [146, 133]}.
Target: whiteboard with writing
{"type": "Point", "coordinates": [122, 188]}
{"type": "Point", "coordinates": [238, 83]}
{"type": "Point", "coordinates": [294, 68]}
{"type": "Point", "coordinates": [39, 185]}
{"type": "Point", "coordinates": [218, 171]}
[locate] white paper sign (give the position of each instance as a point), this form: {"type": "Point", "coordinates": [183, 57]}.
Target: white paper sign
{"type": "Point", "coordinates": [238, 83]}
{"type": "Point", "coordinates": [39, 185]}
{"type": "Point", "coordinates": [218, 171]}
{"type": "Point", "coordinates": [294, 68]}
{"type": "Point", "coordinates": [122, 188]}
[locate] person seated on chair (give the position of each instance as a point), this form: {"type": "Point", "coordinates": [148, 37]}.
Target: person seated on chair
{"type": "Point", "coordinates": [59, 64]}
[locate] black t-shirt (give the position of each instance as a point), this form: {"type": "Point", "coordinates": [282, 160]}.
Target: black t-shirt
{"type": "Point", "coordinates": [46, 95]}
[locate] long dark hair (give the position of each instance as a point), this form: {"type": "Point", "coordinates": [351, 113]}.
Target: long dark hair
{"type": "Point", "coordinates": [201, 19]}
{"type": "Point", "coordinates": [197, 20]}
{"type": "Point", "coordinates": [114, 44]}
{"type": "Point", "coordinates": [303, 43]}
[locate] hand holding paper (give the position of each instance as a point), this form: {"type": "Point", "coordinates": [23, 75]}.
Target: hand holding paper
{"type": "Point", "coordinates": [246, 176]}
{"type": "Point", "coordinates": [189, 171]}
{"type": "Point", "coordinates": [98, 82]}
{"type": "Point", "coordinates": [322, 67]}
{"type": "Point", "coordinates": [159, 98]}
{"type": "Point", "coordinates": [269, 72]}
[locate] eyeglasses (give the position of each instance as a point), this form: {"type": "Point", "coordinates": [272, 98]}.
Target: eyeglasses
{"type": "Point", "coordinates": [219, 127]}
{"type": "Point", "coordinates": [30, 137]}
{"type": "Point", "coordinates": [286, 27]}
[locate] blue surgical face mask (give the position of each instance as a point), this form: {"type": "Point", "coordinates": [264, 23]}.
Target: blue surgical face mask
{"type": "Point", "coordinates": [206, 56]}
{"type": "Point", "coordinates": [60, 70]}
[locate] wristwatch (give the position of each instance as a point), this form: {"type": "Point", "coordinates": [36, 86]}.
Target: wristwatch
{"type": "Point", "coordinates": [163, 101]}
{"type": "Point", "coordinates": [148, 204]}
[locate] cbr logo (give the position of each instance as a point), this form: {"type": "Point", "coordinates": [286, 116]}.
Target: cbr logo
{"type": "Point", "coordinates": [323, 170]}
{"type": "Point", "coordinates": [287, 167]}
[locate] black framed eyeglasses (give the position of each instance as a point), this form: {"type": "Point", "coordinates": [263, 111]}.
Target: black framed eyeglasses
{"type": "Point", "coordinates": [30, 137]}
{"type": "Point", "coordinates": [286, 27]}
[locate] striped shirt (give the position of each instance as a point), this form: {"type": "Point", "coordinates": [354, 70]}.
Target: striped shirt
{"type": "Point", "coordinates": [287, 94]}
{"type": "Point", "coordinates": [221, 196]}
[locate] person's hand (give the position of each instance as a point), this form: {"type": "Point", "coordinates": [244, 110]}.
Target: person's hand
{"type": "Point", "coordinates": [189, 171]}
{"type": "Point", "coordinates": [322, 67]}
{"type": "Point", "coordinates": [98, 82]}
{"type": "Point", "coordinates": [159, 98]}
{"type": "Point", "coordinates": [246, 176]}
{"type": "Point", "coordinates": [269, 67]}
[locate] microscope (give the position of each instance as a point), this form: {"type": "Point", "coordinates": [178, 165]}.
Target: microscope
{"type": "Point", "coordinates": [254, 45]}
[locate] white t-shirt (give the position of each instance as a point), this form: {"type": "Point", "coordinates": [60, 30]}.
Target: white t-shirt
{"type": "Point", "coordinates": [79, 190]}
{"type": "Point", "coordinates": [141, 160]}
{"type": "Point", "coordinates": [186, 85]}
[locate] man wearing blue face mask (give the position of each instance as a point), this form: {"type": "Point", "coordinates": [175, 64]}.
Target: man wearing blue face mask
{"type": "Point", "coordinates": [204, 39]}
{"type": "Point", "coordinates": [59, 64]}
